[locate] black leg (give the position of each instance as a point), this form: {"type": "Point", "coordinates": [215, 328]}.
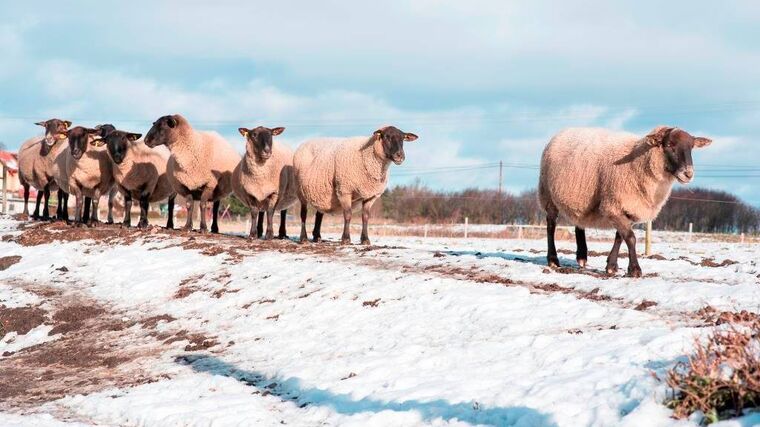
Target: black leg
{"type": "Point", "coordinates": [303, 236]}
{"type": "Point", "coordinates": [59, 209]}
{"type": "Point", "coordinates": [345, 239]}
{"type": "Point", "coordinates": [260, 225]}
{"type": "Point", "coordinates": [36, 214]}
{"type": "Point", "coordinates": [365, 224]}
{"type": "Point", "coordinates": [215, 217]}
{"type": "Point", "coordinates": [581, 253]}
{"type": "Point", "coordinates": [46, 206]}
{"type": "Point", "coordinates": [551, 226]}
{"type": "Point", "coordinates": [282, 234]}
{"type": "Point", "coordinates": [127, 222]}
{"type": "Point", "coordinates": [26, 199]}
{"type": "Point", "coordinates": [612, 265]}
{"type": "Point", "coordinates": [203, 227]}
{"type": "Point", "coordinates": [170, 214]}
{"type": "Point", "coordinates": [317, 233]}
{"type": "Point", "coordinates": [633, 261]}
{"type": "Point", "coordinates": [64, 197]}
{"type": "Point", "coordinates": [144, 206]}
{"type": "Point", "coordinates": [86, 215]}
{"type": "Point", "coordinates": [111, 195]}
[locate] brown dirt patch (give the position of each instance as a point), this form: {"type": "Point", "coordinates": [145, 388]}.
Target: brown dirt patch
{"type": "Point", "coordinates": [73, 318]}
{"type": "Point", "coordinates": [710, 262]}
{"type": "Point", "coordinates": [8, 261]}
{"type": "Point", "coordinates": [713, 317]}
{"type": "Point", "coordinates": [20, 319]}
{"type": "Point", "coordinates": [371, 303]}
{"type": "Point", "coordinates": [645, 304]}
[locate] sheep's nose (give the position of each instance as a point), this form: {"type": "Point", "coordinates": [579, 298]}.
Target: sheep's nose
{"type": "Point", "coordinates": [689, 172]}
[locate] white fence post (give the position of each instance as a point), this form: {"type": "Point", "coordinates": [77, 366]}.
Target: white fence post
{"type": "Point", "coordinates": [426, 230]}
{"type": "Point", "coordinates": [466, 221]}
{"type": "Point", "coordinates": [741, 238]}
{"type": "Point", "coordinates": [648, 240]}
{"type": "Point", "coordinates": [519, 232]}
{"type": "Point", "coordinates": [690, 229]}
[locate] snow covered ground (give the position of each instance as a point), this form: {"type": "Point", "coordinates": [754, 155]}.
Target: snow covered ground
{"type": "Point", "coordinates": [158, 328]}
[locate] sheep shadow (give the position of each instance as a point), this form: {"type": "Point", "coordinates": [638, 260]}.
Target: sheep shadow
{"type": "Point", "coordinates": [291, 390]}
{"type": "Point", "coordinates": [537, 260]}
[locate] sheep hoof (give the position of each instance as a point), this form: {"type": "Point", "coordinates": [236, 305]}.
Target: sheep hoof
{"type": "Point", "coordinates": [170, 226]}
{"type": "Point", "coordinates": [612, 270]}
{"type": "Point", "coordinates": [110, 221]}
{"type": "Point", "coordinates": [634, 271]}
{"type": "Point", "coordinates": [269, 235]}
{"type": "Point", "coordinates": [365, 241]}
{"type": "Point", "coordinates": [282, 236]}
{"type": "Point", "coordinates": [345, 241]}
{"type": "Point", "coordinates": [215, 229]}
{"type": "Point", "coordinates": [142, 224]}
{"type": "Point", "coordinates": [553, 262]}
{"type": "Point", "coordinates": [316, 239]}
{"type": "Point", "coordinates": [582, 263]}
{"type": "Point", "coordinates": [93, 223]}
{"type": "Point", "coordinates": [126, 224]}
{"type": "Point", "coordinates": [187, 228]}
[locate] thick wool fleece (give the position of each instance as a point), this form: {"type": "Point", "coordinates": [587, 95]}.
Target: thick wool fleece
{"type": "Point", "coordinates": [329, 170]}
{"type": "Point", "coordinates": [36, 162]}
{"type": "Point", "coordinates": [591, 175]}
{"type": "Point", "coordinates": [92, 175]}
{"type": "Point", "coordinates": [200, 160]}
{"type": "Point", "coordinates": [254, 182]}
{"type": "Point", "coordinates": [143, 170]}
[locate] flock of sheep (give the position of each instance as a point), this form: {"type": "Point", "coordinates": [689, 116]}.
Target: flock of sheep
{"type": "Point", "coordinates": [592, 177]}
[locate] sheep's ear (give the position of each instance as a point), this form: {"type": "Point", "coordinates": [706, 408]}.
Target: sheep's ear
{"type": "Point", "coordinates": [701, 142]}
{"type": "Point", "coordinates": [67, 123]}
{"type": "Point", "coordinates": [40, 124]}
{"type": "Point", "coordinates": [657, 135]}
{"type": "Point", "coordinates": [133, 136]}
{"type": "Point", "coordinates": [378, 133]}
{"type": "Point", "coordinates": [277, 131]}
{"type": "Point", "coordinates": [91, 130]}
{"type": "Point", "coordinates": [243, 131]}
{"type": "Point", "coordinates": [171, 121]}
{"type": "Point", "coordinates": [410, 137]}
{"type": "Point", "coordinates": [98, 142]}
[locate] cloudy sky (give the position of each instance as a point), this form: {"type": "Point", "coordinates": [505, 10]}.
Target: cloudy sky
{"type": "Point", "coordinates": [478, 81]}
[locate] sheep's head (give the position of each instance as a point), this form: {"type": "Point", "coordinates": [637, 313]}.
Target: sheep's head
{"type": "Point", "coordinates": [258, 141]}
{"type": "Point", "coordinates": [104, 129]}
{"type": "Point", "coordinates": [117, 142]}
{"type": "Point", "coordinates": [79, 138]}
{"type": "Point", "coordinates": [392, 141]}
{"type": "Point", "coordinates": [677, 145]}
{"type": "Point", "coordinates": [55, 130]}
{"type": "Point", "coordinates": [162, 130]}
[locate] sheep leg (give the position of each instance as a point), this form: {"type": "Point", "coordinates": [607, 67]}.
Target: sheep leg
{"type": "Point", "coordinates": [365, 222]}
{"type": "Point", "coordinates": [94, 214]}
{"type": "Point", "coordinates": [581, 253]}
{"type": "Point", "coordinates": [317, 232]}
{"type": "Point", "coordinates": [254, 224]}
{"type": "Point", "coordinates": [345, 203]}
{"type": "Point", "coordinates": [551, 226]}
{"type": "Point", "coordinates": [127, 222]}
{"type": "Point", "coordinates": [36, 213]}
{"type": "Point", "coordinates": [26, 199]}
{"type": "Point", "coordinates": [170, 214]}
{"type": "Point", "coordinates": [189, 205]}
{"type": "Point", "coordinates": [144, 205]}
{"type": "Point", "coordinates": [215, 216]}
{"type": "Point", "coordinates": [282, 234]}
{"type": "Point", "coordinates": [78, 210]}
{"type": "Point", "coordinates": [86, 214]}
{"type": "Point", "coordinates": [612, 265]}
{"type": "Point", "coordinates": [59, 212]}
{"type": "Point", "coordinates": [111, 194]}
{"type": "Point", "coordinates": [260, 225]}
{"type": "Point", "coordinates": [46, 208]}
{"type": "Point", "coordinates": [633, 261]}
{"type": "Point", "coordinates": [203, 228]}
{"type": "Point", "coordinates": [270, 227]}
{"type": "Point", "coordinates": [304, 212]}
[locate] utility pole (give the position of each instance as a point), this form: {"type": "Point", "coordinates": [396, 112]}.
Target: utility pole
{"type": "Point", "coordinates": [501, 166]}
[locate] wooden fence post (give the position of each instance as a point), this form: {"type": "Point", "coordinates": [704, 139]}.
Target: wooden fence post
{"type": "Point", "coordinates": [466, 221]}
{"type": "Point", "coordinates": [648, 240]}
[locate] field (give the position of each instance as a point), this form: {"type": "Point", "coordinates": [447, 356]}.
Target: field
{"type": "Point", "coordinates": [112, 326]}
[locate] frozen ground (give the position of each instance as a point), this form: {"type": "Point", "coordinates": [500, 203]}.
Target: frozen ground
{"type": "Point", "coordinates": [156, 328]}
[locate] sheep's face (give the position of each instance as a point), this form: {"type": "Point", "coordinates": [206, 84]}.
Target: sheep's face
{"type": "Point", "coordinates": [118, 142]}
{"type": "Point", "coordinates": [79, 138]}
{"type": "Point", "coordinates": [677, 145]}
{"type": "Point", "coordinates": [392, 140]}
{"type": "Point", "coordinates": [104, 129]}
{"type": "Point", "coordinates": [161, 131]}
{"type": "Point", "coordinates": [258, 141]}
{"type": "Point", "coordinates": [55, 130]}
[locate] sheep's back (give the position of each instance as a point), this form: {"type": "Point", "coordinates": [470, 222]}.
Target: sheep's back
{"type": "Point", "coordinates": [314, 164]}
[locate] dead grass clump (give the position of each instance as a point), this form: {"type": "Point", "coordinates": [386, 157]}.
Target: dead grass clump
{"type": "Point", "coordinates": [721, 379]}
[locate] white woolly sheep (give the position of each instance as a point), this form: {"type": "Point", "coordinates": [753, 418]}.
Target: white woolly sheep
{"type": "Point", "coordinates": [139, 172]}
{"type": "Point", "coordinates": [88, 171]}
{"type": "Point", "coordinates": [605, 179]}
{"type": "Point", "coordinates": [264, 180]}
{"type": "Point", "coordinates": [35, 158]}
{"type": "Point", "coordinates": [200, 166]}
{"type": "Point", "coordinates": [336, 173]}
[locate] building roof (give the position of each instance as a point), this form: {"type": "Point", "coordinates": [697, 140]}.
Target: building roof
{"type": "Point", "coordinates": [9, 160]}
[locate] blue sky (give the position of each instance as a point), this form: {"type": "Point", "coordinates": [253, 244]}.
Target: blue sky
{"type": "Point", "coordinates": [478, 81]}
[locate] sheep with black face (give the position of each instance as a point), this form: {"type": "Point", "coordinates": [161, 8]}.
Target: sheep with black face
{"type": "Point", "coordinates": [87, 169]}
{"type": "Point", "coordinates": [139, 173]}
{"type": "Point", "coordinates": [335, 174]}
{"type": "Point", "coordinates": [264, 180]}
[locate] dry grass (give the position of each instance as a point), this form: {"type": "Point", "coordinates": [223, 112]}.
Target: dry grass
{"type": "Point", "coordinates": [722, 378]}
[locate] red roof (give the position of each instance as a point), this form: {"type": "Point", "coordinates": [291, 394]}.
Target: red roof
{"type": "Point", "coordinates": [9, 160]}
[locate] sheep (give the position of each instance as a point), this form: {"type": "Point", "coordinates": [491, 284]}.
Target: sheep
{"type": "Point", "coordinates": [139, 172]}
{"type": "Point", "coordinates": [200, 166]}
{"type": "Point", "coordinates": [87, 169]}
{"type": "Point", "coordinates": [264, 179]}
{"type": "Point", "coordinates": [605, 179]}
{"type": "Point", "coordinates": [36, 157]}
{"type": "Point", "coordinates": [336, 173]}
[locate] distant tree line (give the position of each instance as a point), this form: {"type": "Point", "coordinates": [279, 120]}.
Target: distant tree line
{"type": "Point", "coordinates": [709, 211]}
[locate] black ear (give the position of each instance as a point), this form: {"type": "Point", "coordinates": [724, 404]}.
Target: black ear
{"type": "Point", "coordinates": [277, 131]}
{"type": "Point", "coordinates": [657, 135]}
{"type": "Point", "coordinates": [409, 137]}
{"type": "Point", "coordinates": [378, 133]}
{"type": "Point", "coordinates": [90, 130]}
{"type": "Point", "coordinates": [40, 124]}
{"type": "Point", "coordinates": [67, 123]}
{"type": "Point", "coordinates": [243, 131]}
{"type": "Point", "coordinates": [133, 136]}
{"type": "Point", "coordinates": [171, 121]}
